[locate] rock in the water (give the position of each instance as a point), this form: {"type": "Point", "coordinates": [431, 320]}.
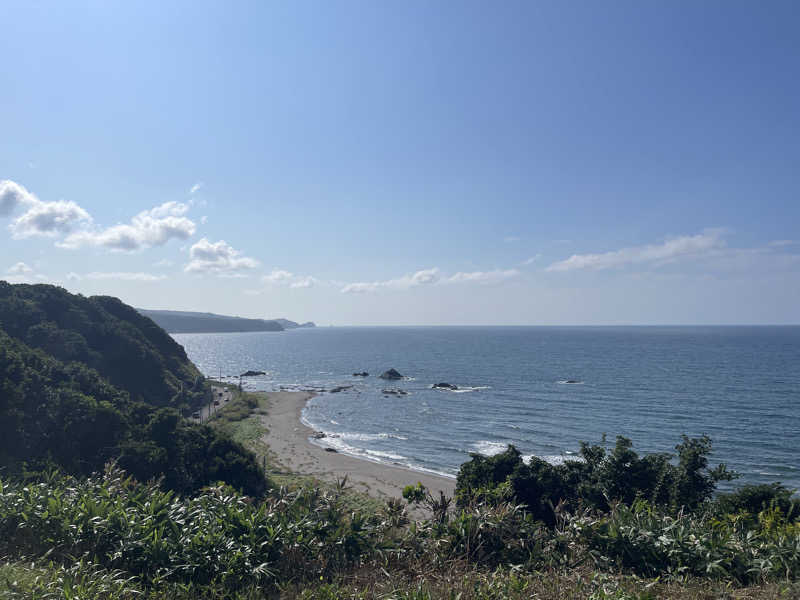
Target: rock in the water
{"type": "Point", "coordinates": [252, 373]}
{"type": "Point", "coordinates": [395, 392]}
{"type": "Point", "coordinates": [391, 374]}
{"type": "Point", "coordinates": [318, 435]}
{"type": "Point", "coordinates": [444, 386]}
{"type": "Point", "coordinates": [572, 381]}
{"type": "Point", "coordinates": [341, 388]}
{"type": "Point", "coordinates": [331, 450]}
{"type": "Point", "coordinates": [362, 374]}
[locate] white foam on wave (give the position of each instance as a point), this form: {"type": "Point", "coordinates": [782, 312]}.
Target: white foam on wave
{"type": "Point", "coordinates": [489, 448]}
{"type": "Point", "coordinates": [342, 446]}
{"type": "Point", "coordinates": [462, 389]}
{"type": "Point", "coordinates": [366, 437]}
{"type": "Point", "coordinates": [339, 444]}
{"type": "Point", "coordinates": [553, 459]}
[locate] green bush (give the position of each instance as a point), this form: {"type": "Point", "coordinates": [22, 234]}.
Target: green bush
{"type": "Point", "coordinates": [597, 480]}
{"type": "Point", "coordinates": [651, 543]}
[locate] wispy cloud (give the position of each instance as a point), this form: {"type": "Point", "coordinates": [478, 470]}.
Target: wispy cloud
{"type": "Point", "coordinates": [485, 277]}
{"type": "Point", "coordinates": [782, 243]}
{"type": "Point", "coordinates": [19, 269]}
{"type": "Point", "coordinates": [218, 258]}
{"type": "Point", "coordinates": [510, 239]}
{"type": "Point", "coordinates": [431, 276]}
{"type": "Point", "coordinates": [196, 187]}
{"type": "Point", "coordinates": [292, 280]}
{"type": "Point", "coordinates": [164, 262]}
{"type": "Point", "coordinates": [531, 260]}
{"type": "Point", "coordinates": [23, 273]}
{"type": "Point", "coordinates": [154, 227]}
{"type": "Point", "coordinates": [424, 277]}
{"type": "Point", "coordinates": [674, 248]}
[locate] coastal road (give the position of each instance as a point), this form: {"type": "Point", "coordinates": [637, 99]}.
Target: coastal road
{"type": "Point", "coordinates": [220, 394]}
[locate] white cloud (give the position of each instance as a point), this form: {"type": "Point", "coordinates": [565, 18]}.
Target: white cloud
{"type": "Point", "coordinates": [278, 276]}
{"type": "Point", "coordinates": [282, 277]}
{"type": "Point", "coordinates": [494, 276]}
{"type": "Point", "coordinates": [124, 276]}
{"type": "Point", "coordinates": [72, 276]}
{"type": "Point", "coordinates": [23, 273]}
{"type": "Point", "coordinates": [168, 209]}
{"type": "Point", "coordinates": [218, 258]}
{"type": "Point", "coordinates": [48, 219]}
{"type": "Point", "coordinates": [196, 187]}
{"type": "Point", "coordinates": [163, 263]}
{"type": "Point", "coordinates": [203, 219]}
{"type": "Point", "coordinates": [781, 243]}
{"type": "Point", "coordinates": [303, 282]}
{"type": "Point", "coordinates": [149, 228]}
{"type": "Point", "coordinates": [39, 218]}
{"type": "Point", "coordinates": [13, 195]}
{"type": "Point", "coordinates": [679, 247]}
{"type": "Point", "coordinates": [19, 269]}
{"type": "Point", "coordinates": [510, 239]}
{"type": "Point", "coordinates": [424, 277]}
{"type": "Point", "coordinates": [430, 277]}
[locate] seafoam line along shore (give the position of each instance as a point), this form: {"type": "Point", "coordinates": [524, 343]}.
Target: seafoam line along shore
{"type": "Point", "coordinates": [288, 438]}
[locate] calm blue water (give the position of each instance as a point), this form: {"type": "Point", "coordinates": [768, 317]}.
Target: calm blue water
{"type": "Point", "coordinates": [739, 385]}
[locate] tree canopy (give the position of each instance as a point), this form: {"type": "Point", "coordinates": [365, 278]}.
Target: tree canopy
{"type": "Point", "coordinates": [87, 380]}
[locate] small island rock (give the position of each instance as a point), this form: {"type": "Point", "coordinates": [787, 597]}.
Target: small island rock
{"type": "Point", "coordinates": [362, 374]}
{"type": "Point", "coordinates": [444, 386]}
{"type": "Point", "coordinates": [252, 373]}
{"type": "Point", "coordinates": [391, 374]}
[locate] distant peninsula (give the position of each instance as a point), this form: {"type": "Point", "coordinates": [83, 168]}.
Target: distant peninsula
{"type": "Point", "coordinates": [176, 321]}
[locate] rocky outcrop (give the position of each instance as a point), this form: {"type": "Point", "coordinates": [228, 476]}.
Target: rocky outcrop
{"type": "Point", "coordinates": [252, 373]}
{"type": "Point", "coordinates": [444, 386]}
{"type": "Point", "coordinates": [395, 392]}
{"type": "Point", "coordinates": [392, 374]}
{"type": "Point", "coordinates": [340, 388]}
{"type": "Point", "coordinates": [362, 374]}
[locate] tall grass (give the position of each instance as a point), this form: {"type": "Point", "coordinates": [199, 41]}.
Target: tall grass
{"type": "Point", "coordinates": [107, 536]}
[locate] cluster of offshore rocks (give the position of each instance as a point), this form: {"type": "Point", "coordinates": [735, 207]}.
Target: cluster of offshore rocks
{"type": "Point", "coordinates": [395, 375]}
{"type": "Point", "coordinates": [391, 374]}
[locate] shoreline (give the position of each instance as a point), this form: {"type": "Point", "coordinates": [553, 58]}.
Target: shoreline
{"type": "Point", "coordinates": [289, 439]}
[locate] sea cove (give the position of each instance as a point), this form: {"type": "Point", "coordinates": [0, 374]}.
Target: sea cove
{"type": "Point", "coordinates": [739, 385]}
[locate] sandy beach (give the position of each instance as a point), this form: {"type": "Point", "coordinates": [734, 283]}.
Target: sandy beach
{"type": "Point", "coordinates": [288, 438]}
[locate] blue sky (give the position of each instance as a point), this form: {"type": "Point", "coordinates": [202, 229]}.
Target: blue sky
{"type": "Point", "coordinates": [408, 163]}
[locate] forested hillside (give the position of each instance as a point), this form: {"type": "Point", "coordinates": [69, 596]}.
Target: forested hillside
{"type": "Point", "coordinates": [86, 380]}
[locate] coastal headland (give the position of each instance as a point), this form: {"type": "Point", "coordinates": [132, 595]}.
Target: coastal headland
{"type": "Point", "coordinates": [288, 439]}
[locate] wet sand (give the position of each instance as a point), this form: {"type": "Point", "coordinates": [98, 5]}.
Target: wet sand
{"type": "Point", "coordinates": [288, 439]}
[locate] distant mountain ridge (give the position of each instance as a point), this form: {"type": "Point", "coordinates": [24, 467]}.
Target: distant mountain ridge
{"type": "Point", "coordinates": [177, 321]}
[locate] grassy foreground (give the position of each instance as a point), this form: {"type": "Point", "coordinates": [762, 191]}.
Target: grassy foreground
{"type": "Point", "coordinates": [109, 537]}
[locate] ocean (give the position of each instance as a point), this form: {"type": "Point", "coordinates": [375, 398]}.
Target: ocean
{"type": "Point", "coordinates": [738, 385]}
